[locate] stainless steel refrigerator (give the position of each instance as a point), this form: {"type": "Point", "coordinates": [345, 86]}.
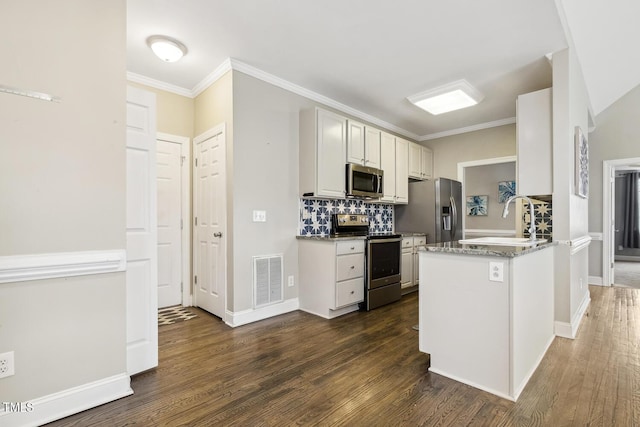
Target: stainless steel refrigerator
{"type": "Point", "coordinates": [435, 208]}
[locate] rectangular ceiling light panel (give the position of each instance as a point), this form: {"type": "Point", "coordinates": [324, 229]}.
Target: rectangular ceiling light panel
{"type": "Point", "coordinates": [449, 97]}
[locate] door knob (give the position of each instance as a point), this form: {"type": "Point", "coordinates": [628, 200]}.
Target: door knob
{"type": "Point", "coordinates": [217, 234]}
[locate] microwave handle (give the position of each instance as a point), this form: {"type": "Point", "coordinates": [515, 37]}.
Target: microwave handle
{"type": "Point", "coordinates": [379, 188]}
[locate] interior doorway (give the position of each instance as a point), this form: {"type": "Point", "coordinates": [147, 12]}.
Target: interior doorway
{"type": "Point", "coordinates": [174, 225]}
{"type": "Point", "coordinates": [619, 257]}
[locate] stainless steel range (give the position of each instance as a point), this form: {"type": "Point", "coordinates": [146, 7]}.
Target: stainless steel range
{"type": "Point", "coordinates": [382, 258]}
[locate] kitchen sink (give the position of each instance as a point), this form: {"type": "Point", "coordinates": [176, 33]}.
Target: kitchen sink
{"type": "Point", "coordinates": [502, 241]}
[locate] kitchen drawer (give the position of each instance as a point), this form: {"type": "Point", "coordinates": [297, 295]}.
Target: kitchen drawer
{"type": "Point", "coordinates": [349, 292]}
{"type": "Point", "coordinates": [350, 247]}
{"type": "Point", "coordinates": [407, 242]}
{"type": "Point", "coordinates": [420, 241]}
{"type": "Point", "coordinates": [349, 267]}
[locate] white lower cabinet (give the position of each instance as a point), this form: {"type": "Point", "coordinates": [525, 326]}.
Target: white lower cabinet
{"type": "Point", "coordinates": [331, 276]}
{"type": "Point", "coordinates": [409, 257]}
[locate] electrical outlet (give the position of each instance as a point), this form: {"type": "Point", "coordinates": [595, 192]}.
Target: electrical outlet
{"type": "Point", "coordinates": [6, 364]}
{"type": "Point", "coordinates": [291, 282]}
{"type": "Point", "coordinates": [496, 271]}
{"type": "Point", "coordinates": [259, 216]}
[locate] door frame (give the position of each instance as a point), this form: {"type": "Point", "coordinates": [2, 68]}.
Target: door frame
{"type": "Point", "coordinates": [608, 168]}
{"type": "Point", "coordinates": [210, 133]}
{"type": "Point", "coordinates": [185, 212]}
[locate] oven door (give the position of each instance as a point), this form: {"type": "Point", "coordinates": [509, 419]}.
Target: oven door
{"type": "Point", "coordinates": [383, 259]}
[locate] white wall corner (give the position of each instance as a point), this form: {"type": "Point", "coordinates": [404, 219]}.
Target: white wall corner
{"type": "Point", "coordinates": [570, 330]}
{"type": "Point", "coordinates": [68, 402]}
{"type": "Point", "coordinates": [244, 317]}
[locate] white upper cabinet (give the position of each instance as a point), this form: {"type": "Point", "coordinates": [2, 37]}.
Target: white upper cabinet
{"type": "Point", "coordinates": [323, 153]}
{"type": "Point", "coordinates": [355, 142]}
{"type": "Point", "coordinates": [402, 171]}
{"type": "Point", "coordinates": [388, 162]}
{"type": "Point", "coordinates": [420, 162]}
{"type": "Point", "coordinates": [534, 148]}
{"type": "Point", "coordinates": [426, 163]}
{"type": "Point", "coordinates": [415, 158]}
{"type": "Point", "coordinates": [363, 145]}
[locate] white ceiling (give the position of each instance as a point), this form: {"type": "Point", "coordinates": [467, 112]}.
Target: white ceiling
{"type": "Point", "coordinates": [371, 54]}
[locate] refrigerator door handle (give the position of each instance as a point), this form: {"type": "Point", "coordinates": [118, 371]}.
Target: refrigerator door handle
{"type": "Point", "coordinates": [454, 220]}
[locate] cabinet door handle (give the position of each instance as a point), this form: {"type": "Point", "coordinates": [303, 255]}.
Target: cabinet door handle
{"type": "Point", "coordinates": [353, 248]}
{"type": "Point", "coordinates": [353, 292]}
{"type": "Point", "coordinates": [353, 267]}
{"type": "Point", "coordinates": [218, 234]}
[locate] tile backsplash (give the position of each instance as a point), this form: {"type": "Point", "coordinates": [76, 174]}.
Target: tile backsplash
{"type": "Point", "coordinates": [543, 219]}
{"type": "Point", "coordinates": [315, 215]}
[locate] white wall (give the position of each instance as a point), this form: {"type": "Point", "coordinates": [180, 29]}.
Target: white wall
{"type": "Point", "coordinates": [62, 180]}
{"type": "Point", "coordinates": [570, 212]}
{"type": "Point", "coordinates": [265, 178]}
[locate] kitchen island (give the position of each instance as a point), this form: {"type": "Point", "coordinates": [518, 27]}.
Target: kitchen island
{"type": "Point", "coordinates": [486, 312]}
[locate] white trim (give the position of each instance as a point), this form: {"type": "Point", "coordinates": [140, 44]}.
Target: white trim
{"type": "Point", "coordinates": [472, 384]}
{"type": "Point", "coordinates": [466, 129]}
{"type": "Point", "coordinates": [20, 268]}
{"type": "Point", "coordinates": [217, 129]}
{"type": "Point", "coordinates": [167, 87]}
{"type": "Point", "coordinates": [595, 280]}
{"type": "Point", "coordinates": [213, 77]}
{"type": "Point", "coordinates": [509, 233]}
{"type": "Point", "coordinates": [518, 390]}
{"type": "Point", "coordinates": [626, 258]}
{"type": "Point", "coordinates": [185, 170]}
{"type": "Point", "coordinates": [234, 64]}
{"type": "Point", "coordinates": [239, 318]}
{"type": "Point", "coordinates": [299, 90]}
{"type": "Point", "coordinates": [608, 167]}
{"type": "Point", "coordinates": [579, 244]}
{"type": "Point", "coordinates": [595, 236]}
{"type": "Point", "coordinates": [569, 330]}
{"type": "Point", "coordinates": [70, 401]}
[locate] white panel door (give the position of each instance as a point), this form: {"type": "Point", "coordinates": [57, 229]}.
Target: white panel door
{"type": "Point", "coordinates": [169, 230]}
{"type": "Point", "coordinates": [332, 154]}
{"type": "Point", "coordinates": [142, 232]}
{"type": "Point", "coordinates": [210, 223]}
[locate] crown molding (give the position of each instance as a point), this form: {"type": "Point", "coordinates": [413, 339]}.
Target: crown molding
{"type": "Point", "coordinates": [236, 65]}
{"type": "Point", "coordinates": [168, 87]}
{"type": "Point", "coordinates": [213, 77]}
{"type": "Point", "coordinates": [479, 126]}
{"type": "Point", "coordinates": [314, 96]}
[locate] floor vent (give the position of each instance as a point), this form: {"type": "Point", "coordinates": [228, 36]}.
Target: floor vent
{"type": "Point", "coordinates": [267, 280]}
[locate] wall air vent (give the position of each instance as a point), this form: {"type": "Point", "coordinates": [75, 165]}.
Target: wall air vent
{"type": "Point", "coordinates": [267, 280]}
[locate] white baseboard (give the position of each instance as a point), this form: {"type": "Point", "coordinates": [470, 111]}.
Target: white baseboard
{"type": "Point", "coordinates": [472, 384]}
{"type": "Point", "coordinates": [249, 316]}
{"type": "Point", "coordinates": [569, 330]}
{"type": "Point", "coordinates": [58, 405]}
{"type": "Point", "coordinates": [19, 268]}
{"type": "Point", "coordinates": [527, 377]}
{"type": "Point", "coordinates": [596, 280]}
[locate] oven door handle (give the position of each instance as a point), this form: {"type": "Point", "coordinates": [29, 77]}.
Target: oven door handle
{"type": "Point", "coordinates": [391, 239]}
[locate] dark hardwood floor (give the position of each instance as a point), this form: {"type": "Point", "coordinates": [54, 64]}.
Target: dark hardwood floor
{"type": "Point", "coordinates": [364, 369]}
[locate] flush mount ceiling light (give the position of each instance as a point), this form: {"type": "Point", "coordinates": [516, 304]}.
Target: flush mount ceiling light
{"type": "Point", "coordinates": [166, 48]}
{"type": "Point", "coordinates": [449, 97]}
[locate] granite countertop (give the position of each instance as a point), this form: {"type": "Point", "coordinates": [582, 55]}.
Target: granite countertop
{"type": "Point", "coordinates": [411, 233]}
{"type": "Point", "coordinates": [484, 250]}
{"type": "Point", "coordinates": [331, 238]}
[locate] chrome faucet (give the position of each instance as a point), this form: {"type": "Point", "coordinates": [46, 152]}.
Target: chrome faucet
{"type": "Point", "coordinates": [532, 217]}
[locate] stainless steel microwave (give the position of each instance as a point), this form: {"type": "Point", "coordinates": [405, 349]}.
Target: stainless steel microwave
{"type": "Point", "coordinates": [364, 182]}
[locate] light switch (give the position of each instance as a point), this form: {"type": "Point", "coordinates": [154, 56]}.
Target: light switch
{"type": "Point", "coordinates": [496, 271]}
{"type": "Point", "coordinates": [259, 216]}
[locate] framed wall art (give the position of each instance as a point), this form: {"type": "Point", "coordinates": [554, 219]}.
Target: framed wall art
{"type": "Point", "coordinates": [477, 205]}
{"type": "Point", "coordinates": [506, 189]}
{"type": "Point", "coordinates": [582, 164]}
